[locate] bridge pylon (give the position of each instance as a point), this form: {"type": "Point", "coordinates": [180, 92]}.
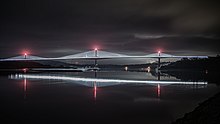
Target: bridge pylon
{"type": "Point", "coordinates": [96, 55]}
{"type": "Point", "coordinates": [158, 65]}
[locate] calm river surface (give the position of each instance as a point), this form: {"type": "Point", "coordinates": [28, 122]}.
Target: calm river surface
{"type": "Point", "coordinates": [77, 97]}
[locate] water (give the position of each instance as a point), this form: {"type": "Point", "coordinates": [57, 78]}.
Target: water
{"type": "Point", "coordinates": [41, 100]}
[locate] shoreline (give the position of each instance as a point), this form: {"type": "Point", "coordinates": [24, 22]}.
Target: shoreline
{"type": "Point", "coordinates": [207, 112]}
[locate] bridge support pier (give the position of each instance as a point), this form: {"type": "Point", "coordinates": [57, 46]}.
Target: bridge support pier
{"type": "Point", "coordinates": [158, 76]}
{"type": "Point", "coordinates": [158, 65]}
{"type": "Point", "coordinates": [96, 64]}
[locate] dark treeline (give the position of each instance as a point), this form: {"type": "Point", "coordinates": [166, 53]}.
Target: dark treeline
{"type": "Point", "coordinates": [20, 65]}
{"type": "Point", "coordinates": [209, 64]}
{"type": "Point", "coordinates": [196, 69]}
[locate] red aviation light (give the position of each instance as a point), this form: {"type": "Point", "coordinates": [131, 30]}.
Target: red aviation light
{"type": "Point", "coordinates": [159, 52]}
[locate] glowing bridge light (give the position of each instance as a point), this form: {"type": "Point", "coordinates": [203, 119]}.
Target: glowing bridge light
{"type": "Point", "coordinates": [126, 68]}
{"type": "Point", "coordinates": [96, 52]}
{"type": "Point", "coordinates": [24, 70]}
{"type": "Point", "coordinates": [25, 55]}
{"type": "Point", "coordinates": [159, 52]}
{"type": "Point", "coordinates": [148, 69]}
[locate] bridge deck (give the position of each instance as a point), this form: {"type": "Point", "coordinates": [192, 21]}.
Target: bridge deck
{"type": "Point", "coordinates": [90, 55]}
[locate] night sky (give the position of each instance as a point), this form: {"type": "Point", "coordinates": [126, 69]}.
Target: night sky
{"type": "Point", "coordinates": [52, 28]}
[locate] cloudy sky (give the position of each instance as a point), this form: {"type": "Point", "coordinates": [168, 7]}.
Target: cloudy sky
{"type": "Point", "coordinates": [62, 27]}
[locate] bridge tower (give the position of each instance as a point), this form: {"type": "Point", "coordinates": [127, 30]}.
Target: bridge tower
{"type": "Point", "coordinates": [96, 55]}
{"type": "Point", "coordinates": [159, 54]}
{"type": "Point", "coordinates": [25, 55]}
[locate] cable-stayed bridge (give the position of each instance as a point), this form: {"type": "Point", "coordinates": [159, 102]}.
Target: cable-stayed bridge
{"type": "Point", "coordinates": [96, 55]}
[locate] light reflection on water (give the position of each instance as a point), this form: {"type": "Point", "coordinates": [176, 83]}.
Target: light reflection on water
{"type": "Point", "coordinates": [101, 82]}
{"type": "Point", "coordinates": [116, 94]}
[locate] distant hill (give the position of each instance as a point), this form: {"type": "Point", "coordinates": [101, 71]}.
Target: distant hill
{"type": "Point", "coordinates": [59, 64]}
{"type": "Point", "coordinates": [211, 63]}
{"type": "Point", "coordinates": [32, 64]}
{"type": "Point", "coordinates": [20, 64]}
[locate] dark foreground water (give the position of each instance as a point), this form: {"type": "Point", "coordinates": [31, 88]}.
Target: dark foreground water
{"type": "Point", "coordinates": [41, 99]}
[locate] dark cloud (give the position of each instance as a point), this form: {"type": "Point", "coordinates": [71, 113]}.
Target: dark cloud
{"type": "Point", "coordinates": [54, 27]}
{"type": "Point", "coordinates": [159, 36]}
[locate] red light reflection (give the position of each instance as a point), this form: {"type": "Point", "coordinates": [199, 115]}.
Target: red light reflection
{"type": "Point", "coordinates": [25, 88]}
{"type": "Point", "coordinates": [25, 85]}
{"type": "Point", "coordinates": [95, 88]}
{"type": "Point", "coordinates": [158, 90]}
{"type": "Point", "coordinates": [24, 70]}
